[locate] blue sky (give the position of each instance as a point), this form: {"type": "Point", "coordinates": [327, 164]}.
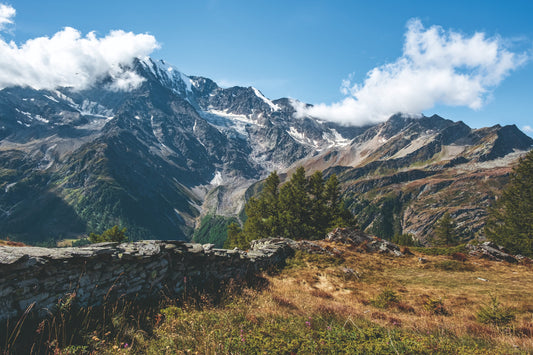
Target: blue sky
{"type": "Point", "coordinates": [303, 49]}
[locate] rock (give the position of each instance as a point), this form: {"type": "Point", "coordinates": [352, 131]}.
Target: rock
{"type": "Point", "coordinates": [138, 270]}
{"type": "Point", "coordinates": [365, 242]}
{"type": "Point", "coordinates": [491, 251]}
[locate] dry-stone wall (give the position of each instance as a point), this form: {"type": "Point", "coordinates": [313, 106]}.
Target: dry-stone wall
{"type": "Point", "coordinates": [32, 277]}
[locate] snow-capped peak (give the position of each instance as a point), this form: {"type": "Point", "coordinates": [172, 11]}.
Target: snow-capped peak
{"type": "Point", "coordinates": [168, 75]}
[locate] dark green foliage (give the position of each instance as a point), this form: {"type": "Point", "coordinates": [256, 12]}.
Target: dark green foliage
{"type": "Point", "coordinates": [235, 237]}
{"type": "Point", "coordinates": [510, 221]}
{"type": "Point", "coordinates": [302, 208]}
{"type": "Point", "coordinates": [446, 230]}
{"type": "Point", "coordinates": [382, 216]}
{"type": "Point", "coordinates": [404, 239]}
{"type": "Point", "coordinates": [494, 313]}
{"type": "Point", "coordinates": [111, 235]}
{"type": "Point", "coordinates": [213, 230]}
{"type": "Point", "coordinates": [295, 208]}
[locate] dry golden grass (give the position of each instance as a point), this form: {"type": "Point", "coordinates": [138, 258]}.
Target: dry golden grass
{"type": "Point", "coordinates": [10, 243]}
{"type": "Point", "coordinates": [348, 289]}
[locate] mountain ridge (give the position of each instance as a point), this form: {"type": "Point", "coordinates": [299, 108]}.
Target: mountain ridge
{"type": "Point", "coordinates": [157, 158]}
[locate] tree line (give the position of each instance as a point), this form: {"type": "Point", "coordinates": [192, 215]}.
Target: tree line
{"type": "Point", "coordinates": [302, 208]}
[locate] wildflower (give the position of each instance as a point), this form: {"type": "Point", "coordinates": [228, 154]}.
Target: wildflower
{"type": "Point", "coordinates": [126, 345]}
{"type": "Point", "coordinates": [308, 324]}
{"type": "Point", "coordinates": [328, 327]}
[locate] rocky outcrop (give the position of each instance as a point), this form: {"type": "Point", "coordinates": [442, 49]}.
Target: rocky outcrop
{"type": "Point", "coordinates": [491, 251]}
{"type": "Point", "coordinates": [363, 241]}
{"type": "Point", "coordinates": [37, 278]}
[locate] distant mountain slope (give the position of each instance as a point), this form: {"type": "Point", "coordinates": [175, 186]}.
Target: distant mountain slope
{"type": "Point", "coordinates": [401, 176]}
{"type": "Point", "coordinates": [156, 158]}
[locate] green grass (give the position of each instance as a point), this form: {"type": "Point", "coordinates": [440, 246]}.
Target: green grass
{"type": "Point", "coordinates": [447, 250]}
{"type": "Point", "coordinates": [213, 229]}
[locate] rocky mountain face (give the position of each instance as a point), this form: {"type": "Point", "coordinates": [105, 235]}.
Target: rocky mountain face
{"type": "Point", "coordinates": [158, 157]}
{"type": "Point", "coordinates": [401, 176]}
{"type": "Point", "coordinates": [151, 159]}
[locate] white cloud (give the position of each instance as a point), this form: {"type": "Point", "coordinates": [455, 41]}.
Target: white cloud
{"type": "Point", "coordinates": [527, 129]}
{"type": "Point", "coordinates": [437, 67]}
{"type": "Point", "coordinates": [71, 60]}
{"type": "Point", "coordinates": [7, 13]}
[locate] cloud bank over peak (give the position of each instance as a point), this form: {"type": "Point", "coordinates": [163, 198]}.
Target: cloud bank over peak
{"type": "Point", "coordinates": [437, 67]}
{"type": "Point", "coordinates": [68, 59]}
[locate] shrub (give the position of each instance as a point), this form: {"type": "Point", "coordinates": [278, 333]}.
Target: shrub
{"type": "Point", "coordinates": [453, 265]}
{"type": "Point", "coordinates": [459, 256]}
{"type": "Point", "coordinates": [435, 306]}
{"type": "Point", "coordinates": [385, 299]}
{"type": "Point", "coordinates": [111, 235]}
{"type": "Point", "coordinates": [494, 313]}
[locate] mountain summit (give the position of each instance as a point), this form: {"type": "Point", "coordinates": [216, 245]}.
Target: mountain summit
{"type": "Point", "coordinates": [155, 158]}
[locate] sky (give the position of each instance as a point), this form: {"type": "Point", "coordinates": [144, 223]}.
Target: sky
{"type": "Point", "coordinates": [357, 62]}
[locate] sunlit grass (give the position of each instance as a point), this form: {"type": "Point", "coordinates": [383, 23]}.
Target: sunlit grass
{"type": "Point", "coordinates": [324, 304]}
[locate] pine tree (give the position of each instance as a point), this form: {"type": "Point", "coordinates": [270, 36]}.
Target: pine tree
{"type": "Point", "coordinates": [445, 230]}
{"type": "Point", "coordinates": [510, 221]}
{"type": "Point", "coordinates": [319, 216]}
{"type": "Point", "coordinates": [235, 237]}
{"type": "Point", "coordinates": [294, 206]}
{"type": "Point", "coordinates": [302, 208]}
{"type": "Point", "coordinates": [338, 214]}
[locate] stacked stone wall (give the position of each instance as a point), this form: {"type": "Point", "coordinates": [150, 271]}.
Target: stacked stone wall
{"type": "Point", "coordinates": [37, 278]}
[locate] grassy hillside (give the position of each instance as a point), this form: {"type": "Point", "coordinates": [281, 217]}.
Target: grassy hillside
{"type": "Point", "coordinates": [351, 303]}
{"type": "Point", "coordinates": [213, 229]}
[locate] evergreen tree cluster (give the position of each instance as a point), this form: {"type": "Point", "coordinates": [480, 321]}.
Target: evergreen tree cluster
{"type": "Point", "coordinates": [510, 220]}
{"type": "Point", "coordinates": [114, 234]}
{"type": "Point", "coordinates": [302, 208]}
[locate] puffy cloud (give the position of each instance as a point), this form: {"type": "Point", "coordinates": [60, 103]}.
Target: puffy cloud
{"type": "Point", "coordinates": [7, 12]}
{"type": "Point", "coordinates": [71, 60]}
{"type": "Point", "coordinates": [527, 129]}
{"type": "Point", "coordinates": [437, 67]}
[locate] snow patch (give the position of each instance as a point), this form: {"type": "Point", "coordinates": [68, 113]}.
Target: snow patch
{"type": "Point", "coordinates": [41, 119]}
{"type": "Point", "coordinates": [9, 186]}
{"type": "Point", "coordinates": [335, 139]}
{"type": "Point", "coordinates": [229, 122]}
{"type": "Point", "coordinates": [51, 98]}
{"type": "Point", "coordinates": [217, 179]}
{"type": "Point", "coordinates": [302, 138]}
{"type": "Point", "coordinates": [258, 93]}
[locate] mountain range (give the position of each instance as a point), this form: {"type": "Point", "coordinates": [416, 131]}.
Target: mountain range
{"type": "Point", "coordinates": [161, 157]}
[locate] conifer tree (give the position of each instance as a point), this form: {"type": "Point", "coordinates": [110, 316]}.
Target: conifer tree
{"type": "Point", "coordinates": [235, 237]}
{"type": "Point", "coordinates": [319, 214]}
{"type": "Point", "coordinates": [302, 208]}
{"type": "Point", "coordinates": [445, 230]}
{"type": "Point", "coordinates": [294, 206]}
{"type": "Point", "coordinates": [510, 221]}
